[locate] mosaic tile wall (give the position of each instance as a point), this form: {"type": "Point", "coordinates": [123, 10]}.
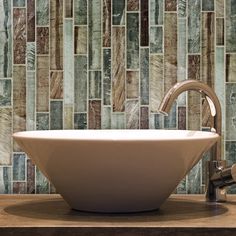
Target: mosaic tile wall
{"type": "Point", "coordinates": [101, 64]}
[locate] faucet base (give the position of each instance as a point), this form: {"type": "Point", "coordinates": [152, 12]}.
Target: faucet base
{"type": "Point", "coordinates": [214, 193]}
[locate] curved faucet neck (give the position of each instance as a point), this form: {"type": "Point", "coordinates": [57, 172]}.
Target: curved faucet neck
{"type": "Point", "coordinates": [211, 97]}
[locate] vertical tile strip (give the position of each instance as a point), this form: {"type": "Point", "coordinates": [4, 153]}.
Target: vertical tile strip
{"type": "Point", "coordinates": [95, 33]}
{"type": "Point", "coordinates": [30, 100]}
{"type": "Point", "coordinates": [106, 23]}
{"type": "Point", "coordinates": [80, 40]}
{"type": "Point", "coordinates": [69, 8]}
{"type": "Point", "coordinates": [132, 40]}
{"type": "Point", "coordinates": [19, 35]}
{"type": "Point", "coordinates": [5, 39]}
{"type": "Point", "coordinates": [219, 8]}
{"type": "Point", "coordinates": [18, 166]}
{"type": "Point", "coordinates": [132, 5]}
{"type": "Point", "coordinates": [230, 68]}
{"type": "Point", "coordinates": [156, 39]}
{"type": "Point", "coordinates": [230, 26]}
{"type": "Point", "coordinates": [208, 48]}
{"type": "Point", "coordinates": [56, 34]}
{"type": "Point", "coordinates": [42, 12]}
{"type": "Point", "coordinates": [118, 68]}
{"type": "Point", "coordinates": [144, 76]}
{"type": "Point", "coordinates": [19, 100]}
{"type": "Point", "coordinates": [68, 63]}
{"type": "Point", "coordinates": [118, 12]}
{"type": "Point", "coordinates": [6, 179]}
{"type": "Point", "coordinates": [170, 58]}
{"type": "Point", "coordinates": [30, 20]}
{"type": "Point", "coordinates": [144, 118]}
{"type": "Point", "coordinates": [80, 121]}
{"type": "Point", "coordinates": [208, 5]}
{"type": "Point", "coordinates": [156, 12]}
{"type": "Point", "coordinates": [56, 85]}
{"type": "Point", "coordinates": [132, 114]}
{"type": "Point", "coordinates": [56, 115]}
{"type": "Point", "coordinates": [95, 81]}
{"type": "Point", "coordinates": [132, 84]}
{"type": "Point", "coordinates": [42, 94]}
{"type": "Point", "coordinates": [5, 135]}
{"type": "Point", "coordinates": [42, 40]}
{"type": "Point", "coordinates": [144, 23]}
{"type": "Point", "coordinates": [156, 82]}
{"type": "Point", "coordinates": [220, 29]}
{"type": "Point", "coordinates": [94, 114]}
{"type": "Point", "coordinates": [30, 177]}
{"type": "Point", "coordinates": [80, 87]}
{"type": "Point", "coordinates": [80, 12]}
{"type": "Point", "coordinates": [194, 17]}
{"type": "Point", "coordinates": [106, 117]}
{"type": "Point", "coordinates": [106, 76]}
{"type": "Point", "coordinates": [170, 5]}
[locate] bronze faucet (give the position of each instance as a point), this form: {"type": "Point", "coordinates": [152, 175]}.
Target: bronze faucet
{"type": "Point", "coordinates": [217, 175]}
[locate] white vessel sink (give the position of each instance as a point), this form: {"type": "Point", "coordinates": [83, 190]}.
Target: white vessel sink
{"type": "Point", "coordinates": [115, 170]}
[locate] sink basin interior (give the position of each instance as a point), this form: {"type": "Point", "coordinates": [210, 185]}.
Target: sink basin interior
{"type": "Point", "coordinates": [115, 170]}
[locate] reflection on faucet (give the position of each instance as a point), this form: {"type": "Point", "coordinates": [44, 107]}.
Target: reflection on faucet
{"type": "Point", "coordinates": [218, 176]}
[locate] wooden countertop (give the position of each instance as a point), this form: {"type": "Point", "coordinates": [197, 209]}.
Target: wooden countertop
{"type": "Point", "coordinates": [180, 215]}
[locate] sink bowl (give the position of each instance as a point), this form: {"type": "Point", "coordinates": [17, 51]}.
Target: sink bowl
{"type": "Point", "coordinates": [115, 170]}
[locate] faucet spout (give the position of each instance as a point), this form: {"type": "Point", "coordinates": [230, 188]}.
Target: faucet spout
{"type": "Point", "coordinates": [212, 100]}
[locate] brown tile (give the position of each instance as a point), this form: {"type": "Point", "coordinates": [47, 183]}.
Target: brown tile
{"type": "Point", "coordinates": [31, 20]}
{"type": "Point", "coordinates": [56, 84]}
{"type": "Point", "coordinates": [156, 81]}
{"type": "Point", "coordinates": [19, 100]}
{"type": "Point", "coordinates": [132, 5]}
{"type": "Point", "coordinates": [106, 23]}
{"type": "Point", "coordinates": [170, 5]}
{"type": "Point", "coordinates": [182, 118]}
{"type": "Point", "coordinates": [5, 135]}
{"type": "Point", "coordinates": [170, 44]}
{"type": "Point", "coordinates": [118, 68]}
{"type": "Point", "coordinates": [19, 35]}
{"type": "Point", "coordinates": [144, 118]}
{"type": "Point", "coordinates": [68, 117]}
{"type": "Point", "coordinates": [69, 8]}
{"type": "Point", "coordinates": [219, 31]}
{"type": "Point", "coordinates": [19, 187]}
{"type": "Point", "coordinates": [80, 41]}
{"type": "Point", "coordinates": [42, 84]}
{"type": "Point", "coordinates": [56, 34]}
{"type": "Point", "coordinates": [132, 84]}
{"type": "Point", "coordinates": [30, 177]}
{"type": "Point", "coordinates": [219, 6]}
{"type": "Point", "coordinates": [194, 67]}
{"type": "Point", "coordinates": [94, 114]}
{"type": "Point", "coordinates": [42, 40]}
{"type": "Point", "coordinates": [132, 114]}
{"type": "Point", "coordinates": [144, 23]}
{"type": "Point", "coordinates": [208, 48]}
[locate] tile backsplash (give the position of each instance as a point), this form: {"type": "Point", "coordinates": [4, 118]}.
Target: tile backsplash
{"type": "Point", "coordinates": [102, 64]}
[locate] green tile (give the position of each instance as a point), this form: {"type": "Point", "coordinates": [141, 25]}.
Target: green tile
{"type": "Point", "coordinates": [230, 26]}
{"type": "Point", "coordinates": [5, 39]}
{"type": "Point", "coordinates": [156, 39]}
{"type": "Point", "coordinates": [18, 3]}
{"type": "Point", "coordinates": [107, 76]}
{"type": "Point", "coordinates": [42, 184]}
{"type": "Point", "coordinates": [95, 34]}
{"type": "Point", "coordinates": [144, 76]}
{"type": "Point", "coordinates": [42, 121]}
{"type": "Point", "coordinates": [170, 121]}
{"type": "Point", "coordinates": [230, 68]}
{"type": "Point", "coordinates": [118, 12]}
{"type": "Point", "coordinates": [230, 133]}
{"type": "Point", "coordinates": [220, 82]}
{"type": "Point", "coordinates": [56, 115]}
{"type": "Point", "coordinates": [80, 12]}
{"type": "Point", "coordinates": [80, 84]}
{"type": "Point", "coordinates": [194, 18]}
{"type": "Point", "coordinates": [5, 92]}
{"type": "Point", "coordinates": [118, 120]}
{"type": "Point", "coordinates": [181, 50]}
{"type": "Point", "coordinates": [156, 12]}
{"type": "Point", "coordinates": [132, 40]}
{"type": "Point", "coordinates": [18, 167]}
{"type": "Point", "coordinates": [194, 180]}
{"type": "Point", "coordinates": [158, 121]}
{"type": "Point", "coordinates": [68, 63]}
{"type": "Point", "coordinates": [80, 121]}
{"type": "Point", "coordinates": [95, 81]}
{"type": "Point", "coordinates": [182, 5]}
{"type": "Point", "coordinates": [106, 117]}
{"type": "Point", "coordinates": [208, 5]}
{"type": "Point", "coordinates": [182, 187]}
{"type": "Point", "coordinates": [42, 12]}
{"type": "Point", "coordinates": [5, 136]}
{"type": "Point", "coordinates": [30, 54]}
{"type": "Point", "coordinates": [5, 180]}
{"type": "Point", "coordinates": [30, 100]}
